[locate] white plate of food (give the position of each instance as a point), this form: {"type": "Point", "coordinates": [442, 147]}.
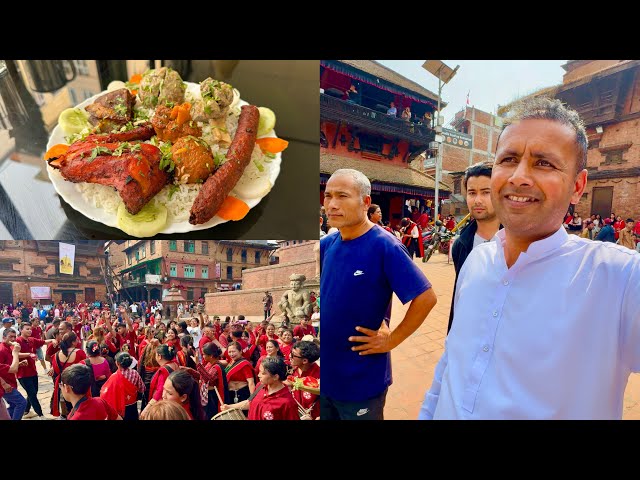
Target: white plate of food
{"type": "Point", "coordinates": [110, 203]}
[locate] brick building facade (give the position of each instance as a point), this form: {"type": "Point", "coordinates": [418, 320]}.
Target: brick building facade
{"type": "Point", "coordinates": [294, 256]}
{"type": "Point", "coordinates": [356, 131]}
{"type": "Point", "coordinates": [484, 129]}
{"type": "Point", "coordinates": [34, 263]}
{"type": "Point", "coordinates": [148, 267]}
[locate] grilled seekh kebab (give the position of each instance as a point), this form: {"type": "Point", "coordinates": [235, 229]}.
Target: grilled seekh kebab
{"type": "Point", "coordinates": [217, 187]}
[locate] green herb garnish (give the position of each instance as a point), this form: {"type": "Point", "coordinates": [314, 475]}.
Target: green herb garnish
{"type": "Point", "coordinates": [96, 152]}
{"type": "Point", "coordinates": [173, 189]}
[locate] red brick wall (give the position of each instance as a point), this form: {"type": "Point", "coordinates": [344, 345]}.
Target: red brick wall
{"type": "Point", "coordinates": [480, 138]}
{"type": "Point", "coordinates": [626, 191]}
{"type": "Point", "coordinates": [482, 117]}
{"type": "Point", "coordinates": [23, 276]}
{"type": "Point", "coordinates": [297, 252]}
{"type": "Point", "coordinates": [454, 159]}
{"type": "Point", "coordinates": [277, 275]}
{"type": "Point", "coordinates": [246, 302]}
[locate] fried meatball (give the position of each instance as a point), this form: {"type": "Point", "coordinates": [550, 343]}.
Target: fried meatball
{"type": "Point", "coordinates": [172, 88]}
{"type": "Point", "coordinates": [192, 158]}
{"type": "Point", "coordinates": [161, 86]}
{"type": "Point", "coordinates": [216, 98]}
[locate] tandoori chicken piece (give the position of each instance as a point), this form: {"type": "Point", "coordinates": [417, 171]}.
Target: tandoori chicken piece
{"type": "Point", "coordinates": [132, 169]}
{"type": "Point", "coordinates": [142, 132]}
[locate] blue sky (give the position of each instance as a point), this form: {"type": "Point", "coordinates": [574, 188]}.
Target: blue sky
{"type": "Point", "coordinates": [490, 82]}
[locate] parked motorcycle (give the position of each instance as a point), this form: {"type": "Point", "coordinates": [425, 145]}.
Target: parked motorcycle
{"type": "Point", "coordinates": [439, 237]}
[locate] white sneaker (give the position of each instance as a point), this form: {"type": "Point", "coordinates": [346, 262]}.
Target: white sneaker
{"type": "Point", "coordinates": [31, 414]}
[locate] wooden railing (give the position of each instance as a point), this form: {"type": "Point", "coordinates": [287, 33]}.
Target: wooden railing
{"type": "Point", "coordinates": [335, 109]}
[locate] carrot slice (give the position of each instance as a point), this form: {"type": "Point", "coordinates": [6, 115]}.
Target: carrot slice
{"type": "Point", "coordinates": [272, 144]}
{"type": "Point", "coordinates": [180, 113]}
{"type": "Point", "coordinates": [137, 78]}
{"type": "Point", "coordinates": [233, 209]}
{"type": "Point", "coordinates": [56, 151]}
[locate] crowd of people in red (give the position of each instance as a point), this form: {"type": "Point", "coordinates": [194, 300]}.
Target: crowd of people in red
{"type": "Point", "coordinates": [134, 363]}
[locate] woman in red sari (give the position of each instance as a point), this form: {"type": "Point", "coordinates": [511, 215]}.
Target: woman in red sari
{"type": "Point", "coordinates": [180, 387]}
{"type": "Point", "coordinates": [165, 356]}
{"type": "Point", "coordinates": [149, 332]}
{"type": "Point", "coordinates": [147, 366]}
{"type": "Point", "coordinates": [172, 339]}
{"type": "Point", "coordinates": [99, 336]}
{"type": "Point", "coordinates": [273, 350]}
{"type": "Point", "coordinates": [68, 355]}
{"type": "Point", "coordinates": [286, 344]}
{"type": "Point", "coordinates": [270, 334]}
{"type": "Point", "coordinates": [239, 374]}
{"type": "Point", "coordinates": [185, 352]}
{"type": "Point", "coordinates": [122, 388]}
{"type": "Point", "coordinates": [99, 365]}
{"type": "Point", "coordinates": [274, 400]}
{"type": "Point", "coordinates": [211, 377]}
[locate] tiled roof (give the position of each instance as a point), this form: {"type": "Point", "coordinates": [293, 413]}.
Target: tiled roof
{"type": "Point", "coordinates": [380, 172]}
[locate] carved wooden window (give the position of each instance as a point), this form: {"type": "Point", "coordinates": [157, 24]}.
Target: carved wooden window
{"type": "Point", "coordinates": [457, 185]}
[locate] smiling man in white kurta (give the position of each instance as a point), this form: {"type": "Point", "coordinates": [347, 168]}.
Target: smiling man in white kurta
{"type": "Point", "coordinates": [532, 336]}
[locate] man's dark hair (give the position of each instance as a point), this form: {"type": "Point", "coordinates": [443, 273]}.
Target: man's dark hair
{"type": "Point", "coordinates": [308, 350]}
{"type": "Point", "coordinates": [7, 331]}
{"type": "Point", "coordinates": [68, 325]}
{"type": "Point", "coordinates": [78, 377]}
{"type": "Point", "coordinates": [477, 170]}
{"type": "Point", "coordinates": [544, 108]}
{"type": "Point", "coordinates": [183, 325]}
{"type": "Point", "coordinates": [240, 317]}
{"type": "Point", "coordinates": [630, 220]}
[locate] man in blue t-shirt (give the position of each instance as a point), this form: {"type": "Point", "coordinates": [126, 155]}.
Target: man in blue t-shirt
{"type": "Point", "coordinates": [362, 266]}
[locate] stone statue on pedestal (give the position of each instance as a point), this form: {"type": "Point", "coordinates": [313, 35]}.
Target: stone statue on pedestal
{"type": "Point", "coordinates": [295, 298]}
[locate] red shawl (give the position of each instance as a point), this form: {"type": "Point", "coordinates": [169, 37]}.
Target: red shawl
{"type": "Point", "coordinates": [209, 372]}
{"type": "Point", "coordinates": [234, 371]}
{"type": "Point", "coordinates": [117, 390]}
{"type": "Point", "coordinates": [58, 368]}
{"type": "Point", "coordinates": [407, 240]}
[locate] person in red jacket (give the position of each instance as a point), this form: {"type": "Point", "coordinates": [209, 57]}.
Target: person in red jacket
{"type": "Point", "coordinates": [273, 401]}
{"type": "Point", "coordinates": [618, 225]}
{"type": "Point", "coordinates": [76, 383]}
{"type": "Point", "coordinates": [303, 360]}
{"type": "Point", "coordinates": [28, 375]}
{"type": "Point", "coordinates": [304, 328]}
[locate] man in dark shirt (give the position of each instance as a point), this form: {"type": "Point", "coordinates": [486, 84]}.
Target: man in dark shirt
{"type": "Point", "coordinates": [362, 266]}
{"type": "Point", "coordinates": [607, 233]}
{"type": "Point", "coordinates": [483, 227]}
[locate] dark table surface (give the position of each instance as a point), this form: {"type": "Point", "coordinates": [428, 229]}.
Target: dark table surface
{"type": "Point", "coordinates": [31, 209]}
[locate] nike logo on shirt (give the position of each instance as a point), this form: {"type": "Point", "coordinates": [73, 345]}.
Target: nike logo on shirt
{"type": "Point", "coordinates": [357, 273]}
